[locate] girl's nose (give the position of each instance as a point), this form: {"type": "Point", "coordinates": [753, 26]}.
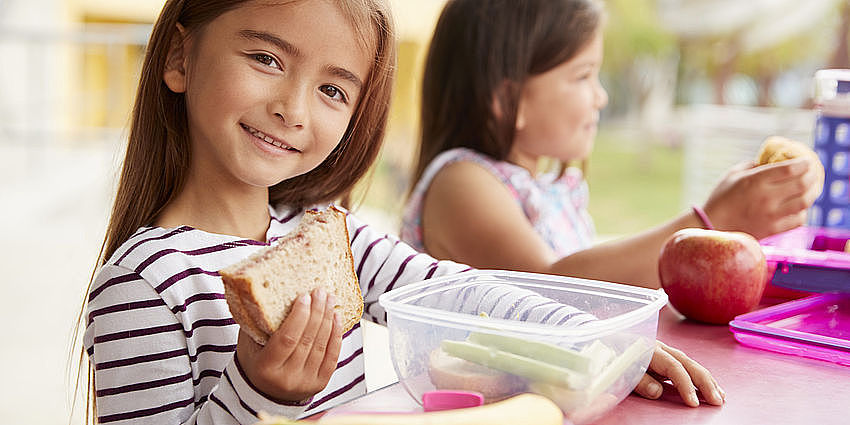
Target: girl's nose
{"type": "Point", "coordinates": [601, 96]}
{"type": "Point", "coordinates": [291, 107]}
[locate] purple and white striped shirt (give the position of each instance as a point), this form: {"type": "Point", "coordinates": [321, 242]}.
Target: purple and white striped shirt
{"type": "Point", "coordinates": [161, 337]}
{"type": "Point", "coordinates": [162, 340]}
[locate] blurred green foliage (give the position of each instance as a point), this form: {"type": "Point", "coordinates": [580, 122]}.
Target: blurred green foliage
{"type": "Point", "coordinates": [632, 30]}
{"type": "Point", "coordinates": [632, 189]}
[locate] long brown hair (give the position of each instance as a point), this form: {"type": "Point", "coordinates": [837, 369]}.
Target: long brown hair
{"type": "Point", "coordinates": [481, 54]}
{"type": "Point", "coordinates": [158, 151]}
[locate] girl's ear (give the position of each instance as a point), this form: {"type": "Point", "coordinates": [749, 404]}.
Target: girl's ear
{"type": "Point", "coordinates": [176, 62]}
{"type": "Point", "coordinates": [497, 105]}
{"type": "Point", "coordinates": [520, 114]}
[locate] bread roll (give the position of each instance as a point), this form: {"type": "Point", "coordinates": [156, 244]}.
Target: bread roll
{"type": "Point", "coordinates": [261, 288]}
{"type": "Point", "coordinates": [776, 149]}
{"type": "Point", "coordinates": [452, 373]}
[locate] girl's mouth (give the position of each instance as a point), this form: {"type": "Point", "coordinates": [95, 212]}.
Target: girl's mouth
{"type": "Point", "coordinates": [268, 139]}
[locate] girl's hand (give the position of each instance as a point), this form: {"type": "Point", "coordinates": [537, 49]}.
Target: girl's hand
{"type": "Point", "coordinates": [764, 200]}
{"type": "Point", "coordinates": [686, 374]}
{"type": "Point", "coordinates": [301, 355]}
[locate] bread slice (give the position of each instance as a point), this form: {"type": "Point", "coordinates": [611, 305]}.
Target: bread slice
{"type": "Point", "coordinates": [261, 288]}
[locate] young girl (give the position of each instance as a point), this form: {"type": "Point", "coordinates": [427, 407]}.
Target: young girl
{"type": "Point", "coordinates": [248, 113]}
{"type": "Point", "coordinates": [495, 101]}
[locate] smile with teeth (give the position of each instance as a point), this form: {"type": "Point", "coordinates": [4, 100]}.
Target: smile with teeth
{"type": "Point", "coordinates": [268, 139]}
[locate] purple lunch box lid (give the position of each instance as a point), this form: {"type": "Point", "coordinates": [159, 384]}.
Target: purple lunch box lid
{"type": "Point", "coordinates": [818, 327]}
{"type": "Point", "coordinates": [794, 245]}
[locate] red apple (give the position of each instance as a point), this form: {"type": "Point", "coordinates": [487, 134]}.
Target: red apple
{"type": "Point", "coordinates": [712, 276]}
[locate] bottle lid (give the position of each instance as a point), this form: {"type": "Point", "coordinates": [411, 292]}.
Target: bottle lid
{"type": "Point", "coordinates": [832, 92]}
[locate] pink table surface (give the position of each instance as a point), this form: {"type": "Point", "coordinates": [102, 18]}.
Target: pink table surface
{"type": "Point", "coordinates": [762, 387]}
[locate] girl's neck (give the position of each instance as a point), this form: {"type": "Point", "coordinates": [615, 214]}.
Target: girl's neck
{"type": "Point", "coordinates": [524, 160]}
{"type": "Point", "coordinates": [238, 211]}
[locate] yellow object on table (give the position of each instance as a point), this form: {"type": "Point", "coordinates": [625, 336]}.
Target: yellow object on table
{"type": "Point", "coordinates": [523, 409]}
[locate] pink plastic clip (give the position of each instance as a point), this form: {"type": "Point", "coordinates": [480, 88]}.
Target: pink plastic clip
{"type": "Point", "coordinates": [433, 401]}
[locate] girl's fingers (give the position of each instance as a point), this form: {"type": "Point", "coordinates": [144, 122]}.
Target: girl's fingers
{"type": "Point", "coordinates": [285, 340]}
{"type": "Point", "coordinates": [789, 222]}
{"type": "Point", "coordinates": [781, 171]}
{"type": "Point", "coordinates": [320, 345]}
{"type": "Point", "coordinates": [311, 329]}
{"type": "Point", "coordinates": [328, 366]}
{"type": "Point", "coordinates": [698, 376]}
{"type": "Point", "coordinates": [665, 364]}
{"type": "Point", "coordinates": [649, 387]}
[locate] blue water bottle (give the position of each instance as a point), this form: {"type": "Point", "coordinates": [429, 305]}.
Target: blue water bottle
{"type": "Point", "coordinates": [832, 144]}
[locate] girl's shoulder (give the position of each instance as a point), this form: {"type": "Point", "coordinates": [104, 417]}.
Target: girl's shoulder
{"type": "Point", "coordinates": [501, 169]}
{"type": "Point", "coordinates": [166, 255]}
{"type": "Point", "coordinates": [145, 242]}
{"type": "Point", "coordinates": [504, 171]}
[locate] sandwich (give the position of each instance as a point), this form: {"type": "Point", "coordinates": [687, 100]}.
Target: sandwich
{"type": "Point", "coordinates": [260, 289]}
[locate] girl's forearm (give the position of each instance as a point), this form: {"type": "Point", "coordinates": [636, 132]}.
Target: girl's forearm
{"type": "Point", "coordinates": [631, 260]}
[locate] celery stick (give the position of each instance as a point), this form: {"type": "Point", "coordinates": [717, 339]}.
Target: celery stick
{"type": "Point", "coordinates": [616, 368]}
{"type": "Point", "coordinates": [534, 370]}
{"type": "Point", "coordinates": [542, 351]}
{"type": "Point", "coordinates": [568, 400]}
{"type": "Point", "coordinates": [600, 354]}
{"type": "Point", "coordinates": [577, 401]}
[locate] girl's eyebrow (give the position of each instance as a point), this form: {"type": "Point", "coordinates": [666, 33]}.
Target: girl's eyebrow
{"type": "Point", "coordinates": [345, 74]}
{"type": "Point", "coordinates": [289, 49]}
{"type": "Point", "coordinates": [272, 39]}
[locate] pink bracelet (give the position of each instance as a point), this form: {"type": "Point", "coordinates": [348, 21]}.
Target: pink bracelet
{"type": "Point", "coordinates": [703, 217]}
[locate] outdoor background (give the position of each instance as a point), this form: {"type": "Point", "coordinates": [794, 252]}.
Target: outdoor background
{"type": "Point", "coordinates": [695, 85]}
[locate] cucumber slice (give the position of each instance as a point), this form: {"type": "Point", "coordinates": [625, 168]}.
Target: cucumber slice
{"type": "Point", "coordinates": [532, 369]}
{"type": "Point", "coordinates": [541, 351]}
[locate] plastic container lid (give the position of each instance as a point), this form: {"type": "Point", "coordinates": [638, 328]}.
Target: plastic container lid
{"type": "Point", "coordinates": [628, 304]}
{"type": "Point", "coordinates": [815, 327]}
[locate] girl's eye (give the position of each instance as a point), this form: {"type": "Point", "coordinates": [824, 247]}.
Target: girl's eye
{"type": "Point", "coordinates": [267, 60]}
{"type": "Point", "coordinates": [333, 92]}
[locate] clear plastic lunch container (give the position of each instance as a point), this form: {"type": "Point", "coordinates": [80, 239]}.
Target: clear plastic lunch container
{"type": "Point", "coordinates": [584, 344]}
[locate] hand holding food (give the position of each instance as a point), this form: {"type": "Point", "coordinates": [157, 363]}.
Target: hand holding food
{"type": "Point", "coordinates": [777, 149]}
{"type": "Point", "coordinates": [763, 200]}
{"type": "Point", "coordinates": [293, 301]}
{"type": "Point", "coordinates": [299, 358]}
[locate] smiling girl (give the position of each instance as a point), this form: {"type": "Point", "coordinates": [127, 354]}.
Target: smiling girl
{"type": "Point", "coordinates": [248, 113]}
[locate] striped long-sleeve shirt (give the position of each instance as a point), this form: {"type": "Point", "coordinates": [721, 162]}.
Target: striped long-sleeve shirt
{"type": "Point", "coordinates": [162, 340]}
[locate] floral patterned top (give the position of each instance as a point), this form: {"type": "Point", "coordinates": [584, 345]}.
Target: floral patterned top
{"type": "Point", "coordinates": [555, 205]}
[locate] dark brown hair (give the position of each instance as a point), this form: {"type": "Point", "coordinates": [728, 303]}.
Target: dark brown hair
{"type": "Point", "coordinates": [158, 150]}
{"type": "Point", "coordinates": [481, 54]}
